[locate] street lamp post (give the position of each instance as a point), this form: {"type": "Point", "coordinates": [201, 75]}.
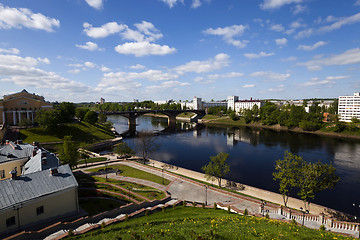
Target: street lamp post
{"type": "Point", "coordinates": [303, 212]}
{"type": "Point", "coordinates": [106, 164]}
{"type": "Point", "coordinates": [356, 206]}
{"type": "Point", "coordinates": [162, 171]}
{"type": "Point", "coordinates": [206, 187]}
{"type": "Point", "coordinates": [263, 204]}
{"type": "Point", "coordinates": [17, 208]}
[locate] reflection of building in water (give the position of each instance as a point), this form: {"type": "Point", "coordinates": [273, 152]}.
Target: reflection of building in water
{"type": "Point", "coordinates": [196, 133]}
{"type": "Point", "coordinates": [243, 135]}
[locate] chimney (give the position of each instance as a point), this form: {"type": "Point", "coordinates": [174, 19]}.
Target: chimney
{"type": "Point", "coordinates": [7, 142]}
{"type": "Point", "coordinates": [54, 171]}
{"type": "Point", "coordinates": [43, 158]}
{"type": "Point", "coordinates": [251, 99]}
{"type": "Point", "coordinates": [13, 174]}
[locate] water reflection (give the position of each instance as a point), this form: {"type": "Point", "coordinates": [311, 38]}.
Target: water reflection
{"type": "Point", "coordinates": [253, 153]}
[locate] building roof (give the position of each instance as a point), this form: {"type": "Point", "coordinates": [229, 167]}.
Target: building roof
{"type": "Point", "coordinates": [35, 185]}
{"type": "Point", "coordinates": [43, 160]}
{"type": "Point", "coordinates": [13, 151]}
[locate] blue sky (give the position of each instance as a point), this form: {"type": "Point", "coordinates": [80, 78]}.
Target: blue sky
{"type": "Point", "coordinates": [81, 50]}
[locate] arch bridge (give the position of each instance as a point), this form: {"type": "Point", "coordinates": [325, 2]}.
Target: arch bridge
{"type": "Point", "coordinates": [171, 114]}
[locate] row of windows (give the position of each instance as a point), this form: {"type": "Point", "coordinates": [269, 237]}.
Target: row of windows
{"type": "Point", "coordinates": [11, 220]}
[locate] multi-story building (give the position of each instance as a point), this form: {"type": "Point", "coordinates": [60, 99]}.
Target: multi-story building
{"type": "Point", "coordinates": [23, 105]}
{"type": "Point", "coordinates": [349, 107]}
{"type": "Point", "coordinates": [199, 104]}
{"type": "Point", "coordinates": [237, 105]}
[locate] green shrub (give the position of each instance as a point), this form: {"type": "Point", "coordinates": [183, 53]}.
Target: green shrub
{"type": "Point", "coordinates": [203, 205]}
{"type": "Point", "coordinates": [102, 225]}
{"type": "Point", "coordinates": [146, 212]}
{"type": "Point", "coordinates": [126, 217]}
{"type": "Point", "coordinates": [229, 209]}
{"type": "Point", "coordinates": [215, 206]}
{"type": "Point", "coordinates": [174, 206]}
{"type": "Point", "coordinates": [194, 204]}
{"type": "Point", "coordinates": [163, 208]}
{"type": "Point", "coordinates": [184, 203]}
{"type": "Point", "coordinates": [294, 222]}
{"type": "Point", "coordinates": [322, 227]}
{"type": "Point", "coordinates": [70, 233]}
{"type": "Point", "coordinates": [246, 212]}
{"type": "Point", "coordinates": [267, 216]}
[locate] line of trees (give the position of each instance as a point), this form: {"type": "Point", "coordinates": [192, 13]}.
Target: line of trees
{"type": "Point", "coordinates": [289, 115]}
{"type": "Point", "coordinates": [113, 107]}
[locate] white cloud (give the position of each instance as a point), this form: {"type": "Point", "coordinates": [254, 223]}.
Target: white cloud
{"type": "Point", "coordinates": [273, 4]}
{"type": "Point", "coordinates": [257, 55]}
{"type": "Point", "coordinates": [357, 3]}
{"type": "Point", "coordinates": [74, 71]}
{"type": "Point", "coordinates": [277, 27]}
{"type": "Point", "coordinates": [140, 49]}
{"type": "Point", "coordinates": [279, 88]}
{"type": "Point", "coordinates": [227, 75]}
{"type": "Point", "coordinates": [24, 17]}
{"type": "Point", "coordinates": [97, 4]}
{"type": "Point", "coordinates": [137, 66]}
{"type": "Point", "coordinates": [220, 60]}
{"type": "Point", "coordinates": [103, 31]}
{"type": "Point", "coordinates": [202, 80]}
{"type": "Point", "coordinates": [311, 47]}
{"type": "Point", "coordinates": [89, 64]}
{"type": "Point", "coordinates": [91, 46]}
{"type": "Point", "coordinates": [228, 33]}
{"type": "Point", "coordinates": [10, 50]}
{"type": "Point", "coordinates": [281, 41]}
{"type": "Point", "coordinates": [271, 75]}
{"type": "Point", "coordinates": [105, 69]}
{"type": "Point", "coordinates": [248, 86]}
{"type": "Point", "coordinates": [297, 24]}
{"type": "Point", "coordinates": [299, 9]}
{"type": "Point", "coordinates": [147, 32]}
{"type": "Point", "coordinates": [168, 84]}
{"type": "Point", "coordinates": [81, 66]}
{"type": "Point", "coordinates": [327, 81]}
{"type": "Point", "coordinates": [343, 21]}
{"type": "Point", "coordinates": [194, 4]}
{"type": "Point", "coordinates": [351, 56]}
{"type": "Point", "coordinates": [305, 33]}
{"type": "Point", "coordinates": [171, 3]}
{"type": "Point", "coordinates": [23, 71]}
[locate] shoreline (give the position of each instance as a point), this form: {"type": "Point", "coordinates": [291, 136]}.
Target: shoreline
{"type": "Point", "coordinates": [276, 127]}
{"type": "Point", "coordinates": [250, 191]}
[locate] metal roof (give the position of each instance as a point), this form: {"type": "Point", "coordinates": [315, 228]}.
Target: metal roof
{"type": "Point", "coordinates": [13, 151]}
{"type": "Point", "coordinates": [35, 185]}
{"type": "Point", "coordinates": [36, 163]}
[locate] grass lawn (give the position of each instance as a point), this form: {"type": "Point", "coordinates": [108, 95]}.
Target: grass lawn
{"type": "Point", "coordinates": [82, 132]}
{"type": "Point", "coordinates": [148, 192]}
{"type": "Point", "coordinates": [196, 223]}
{"type": "Point", "coordinates": [212, 117]}
{"type": "Point", "coordinates": [135, 173]}
{"type": "Point", "coordinates": [95, 206]}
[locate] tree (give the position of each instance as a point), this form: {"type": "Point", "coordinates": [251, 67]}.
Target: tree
{"type": "Point", "coordinates": [49, 119]}
{"type": "Point", "coordinates": [91, 117]}
{"type": "Point", "coordinates": [102, 118]}
{"type": "Point", "coordinates": [217, 167]}
{"type": "Point", "coordinates": [80, 113]}
{"type": "Point", "coordinates": [355, 120]}
{"type": "Point", "coordinates": [124, 150]}
{"type": "Point", "coordinates": [308, 178]}
{"type": "Point", "coordinates": [67, 110]}
{"type": "Point", "coordinates": [288, 170]}
{"type": "Point", "coordinates": [314, 178]}
{"type": "Point", "coordinates": [146, 144]}
{"type": "Point", "coordinates": [68, 153]}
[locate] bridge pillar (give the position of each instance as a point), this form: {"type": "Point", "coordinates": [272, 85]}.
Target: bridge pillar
{"type": "Point", "coordinates": [132, 121]}
{"type": "Point", "coordinates": [171, 120]}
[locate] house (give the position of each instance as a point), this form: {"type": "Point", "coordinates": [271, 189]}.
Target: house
{"type": "Point", "coordinates": [35, 198]}
{"type": "Point", "coordinates": [34, 188]}
{"type": "Point", "coordinates": [19, 106]}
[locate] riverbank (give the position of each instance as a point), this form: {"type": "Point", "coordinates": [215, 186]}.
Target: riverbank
{"type": "Point", "coordinates": [248, 190]}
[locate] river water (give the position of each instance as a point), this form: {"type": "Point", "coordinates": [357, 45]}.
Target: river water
{"type": "Point", "coordinates": [253, 153]}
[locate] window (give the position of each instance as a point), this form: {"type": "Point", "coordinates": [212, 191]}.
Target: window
{"type": "Point", "coordinates": [40, 210]}
{"type": "Point", "coordinates": [10, 221]}
{"type": "Point", "coordinates": [2, 174]}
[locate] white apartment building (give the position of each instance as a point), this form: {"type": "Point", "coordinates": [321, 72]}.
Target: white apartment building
{"type": "Point", "coordinates": [235, 104]}
{"type": "Point", "coordinates": [349, 106]}
{"type": "Point", "coordinates": [199, 104]}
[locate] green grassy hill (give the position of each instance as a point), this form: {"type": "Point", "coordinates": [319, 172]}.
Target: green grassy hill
{"type": "Point", "coordinates": [82, 132]}
{"type": "Point", "coordinates": [196, 223]}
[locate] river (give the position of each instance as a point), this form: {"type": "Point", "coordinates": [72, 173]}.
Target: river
{"type": "Point", "coordinates": [253, 153]}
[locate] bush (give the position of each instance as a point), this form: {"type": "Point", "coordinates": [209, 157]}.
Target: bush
{"type": "Point", "coordinates": [233, 116]}
{"type": "Point", "coordinates": [194, 204]}
{"type": "Point", "coordinates": [215, 206]}
{"type": "Point", "coordinates": [203, 205]}
{"type": "Point", "coordinates": [322, 227]}
{"type": "Point", "coordinates": [294, 222]}
{"type": "Point", "coordinates": [246, 212]}
{"type": "Point", "coordinates": [339, 127]}
{"type": "Point", "coordinates": [267, 215]}
{"type": "Point", "coordinates": [184, 203]}
{"type": "Point", "coordinates": [70, 233]}
{"type": "Point", "coordinates": [229, 209]}
{"type": "Point", "coordinates": [102, 225]}
{"type": "Point", "coordinates": [309, 125]}
{"type": "Point", "coordinates": [146, 212]}
{"type": "Point", "coordinates": [163, 208]}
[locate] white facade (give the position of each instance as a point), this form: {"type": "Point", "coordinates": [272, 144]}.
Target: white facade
{"type": "Point", "coordinates": [198, 104]}
{"type": "Point", "coordinates": [349, 107]}
{"type": "Point", "coordinates": [233, 103]}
